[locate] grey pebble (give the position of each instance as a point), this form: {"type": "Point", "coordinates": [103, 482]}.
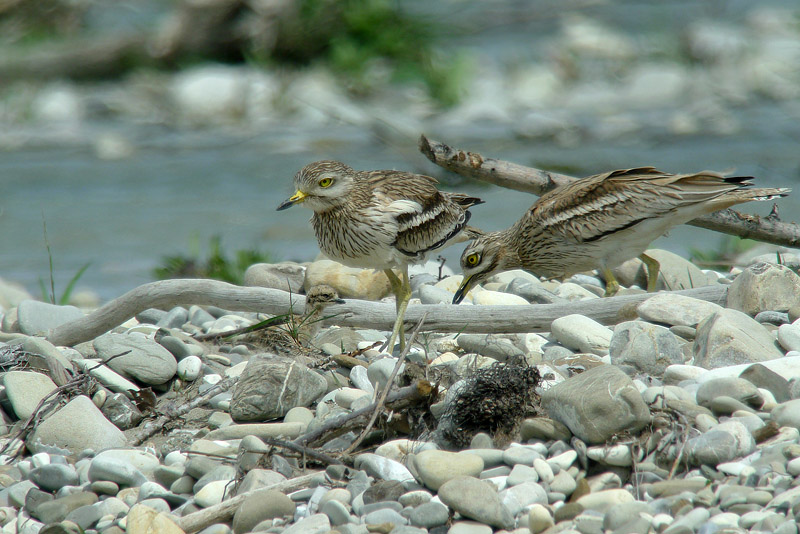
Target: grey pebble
{"type": "Point", "coordinates": [379, 371]}
{"type": "Point", "coordinates": [336, 512]}
{"type": "Point", "coordinates": [178, 348]}
{"type": "Point", "coordinates": [762, 377]}
{"type": "Point", "coordinates": [739, 389]}
{"type": "Point", "coordinates": [153, 490]}
{"type": "Point", "coordinates": [385, 515]}
{"type": "Point", "coordinates": [490, 457]}
{"type": "Point", "coordinates": [469, 527]}
{"type": "Point", "coordinates": [772, 317]}
{"type": "Point", "coordinates": [518, 497]}
{"type": "Point", "coordinates": [115, 470]}
{"type": "Point", "coordinates": [686, 332]}
{"type": "Point", "coordinates": [150, 316]}
{"type": "Point", "coordinates": [51, 477]}
{"type": "Point", "coordinates": [167, 474]}
{"type": "Point", "coordinates": [198, 316]}
{"type": "Point", "coordinates": [428, 515]}
{"type": "Point", "coordinates": [491, 345]}
{"type": "Point", "coordinates": [58, 509]}
{"type": "Point", "coordinates": [429, 294]}
{"type": "Point", "coordinates": [136, 356]}
{"type": "Point", "coordinates": [78, 426]}
{"type": "Point", "coordinates": [723, 443]}
{"type": "Point", "coordinates": [381, 505]}
{"type": "Point", "coordinates": [499, 471]}
{"type": "Point", "coordinates": [408, 529]}
{"type": "Point", "coordinates": [476, 499]}
{"type": "Point", "coordinates": [532, 292]}
{"type": "Point", "coordinates": [174, 318]}
{"type": "Point", "coordinates": [415, 498]}
{"type": "Point", "coordinates": [581, 402]}
{"type": "Point", "coordinates": [481, 440]}
{"type": "Point", "coordinates": [691, 521]}
{"type": "Point", "coordinates": [25, 389]}
{"type": "Point", "coordinates": [87, 516]}
{"type": "Point", "coordinates": [270, 386]}
{"type": "Point", "coordinates": [522, 473]}
{"type": "Point", "coordinates": [104, 487]}
{"type": "Point", "coordinates": [647, 347]}
{"type": "Point", "coordinates": [358, 376]}
{"type": "Point", "coordinates": [160, 505]}
{"type": "Point", "coordinates": [36, 318]}
{"type": "Point", "coordinates": [382, 468]}
{"type": "Point", "coordinates": [624, 513]}
{"type": "Point", "coordinates": [520, 455]}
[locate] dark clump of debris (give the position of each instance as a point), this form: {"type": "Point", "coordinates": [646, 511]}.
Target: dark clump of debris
{"type": "Point", "coordinates": [494, 400]}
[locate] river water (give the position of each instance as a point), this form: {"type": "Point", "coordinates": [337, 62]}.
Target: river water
{"type": "Point", "coordinates": [179, 188]}
{"type": "Point", "coordinates": [123, 216]}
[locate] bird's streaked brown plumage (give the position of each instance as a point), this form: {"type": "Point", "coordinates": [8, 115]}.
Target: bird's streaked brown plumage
{"type": "Point", "coordinates": [601, 221]}
{"type": "Point", "coordinates": [380, 219]}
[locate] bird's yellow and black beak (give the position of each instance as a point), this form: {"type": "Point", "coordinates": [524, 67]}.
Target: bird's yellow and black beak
{"type": "Point", "coordinates": [467, 284]}
{"type": "Point", "coordinates": [297, 198]}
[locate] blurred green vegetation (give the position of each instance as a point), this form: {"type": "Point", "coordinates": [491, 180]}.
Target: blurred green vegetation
{"type": "Point", "coordinates": [376, 31]}
{"type": "Point", "coordinates": [366, 43]}
{"type": "Point", "coordinates": [27, 22]}
{"type": "Point", "coordinates": [216, 265]}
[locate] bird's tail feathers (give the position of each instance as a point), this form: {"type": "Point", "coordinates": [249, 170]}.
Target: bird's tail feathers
{"type": "Point", "coordinates": [472, 232]}
{"type": "Point", "coordinates": [768, 193]}
{"type": "Point", "coordinates": [465, 201]}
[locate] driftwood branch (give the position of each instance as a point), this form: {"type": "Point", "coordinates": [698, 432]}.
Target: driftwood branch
{"type": "Point", "coordinates": [222, 512]}
{"type": "Point", "coordinates": [356, 313]}
{"type": "Point", "coordinates": [166, 294]}
{"type": "Point", "coordinates": [520, 178]}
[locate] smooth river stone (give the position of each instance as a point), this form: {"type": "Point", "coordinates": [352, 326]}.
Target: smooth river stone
{"type": "Point", "coordinates": [437, 467]}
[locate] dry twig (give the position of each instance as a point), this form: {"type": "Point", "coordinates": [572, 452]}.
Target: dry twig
{"type": "Point", "coordinates": [385, 392]}
{"type": "Point", "coordinates": [307, 451]}
{"type": "Point", "coordinates": [151, 428]}
{"type": "Point", "coordinates": [224, 511]}
{"type": "Point", "coordinates": [421, 389]}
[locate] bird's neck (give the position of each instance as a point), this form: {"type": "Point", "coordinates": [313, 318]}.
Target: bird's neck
{"type": "Point", "coordinates": [510, 256]}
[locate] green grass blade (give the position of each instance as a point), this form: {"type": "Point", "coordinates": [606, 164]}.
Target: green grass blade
{"type": "Point", "coordinates": [71, 285]}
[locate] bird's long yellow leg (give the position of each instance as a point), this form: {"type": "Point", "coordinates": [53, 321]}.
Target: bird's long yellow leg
{"type": "Point", "coordinates": [402, 292]}
{"type": "Point", "coordinates": [612, 286]}
{"type": "Point", "coordinates": [652, 271]}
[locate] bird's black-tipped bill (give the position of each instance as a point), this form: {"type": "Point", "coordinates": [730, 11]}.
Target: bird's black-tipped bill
{"type": "Point", "coordinates": [291, 201]}
{"type": "Point", "coordinates": [340, 301]}
{"type": "Point", "coordinates": [466, 285]}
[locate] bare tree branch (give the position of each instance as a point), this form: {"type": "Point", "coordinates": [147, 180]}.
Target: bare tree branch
{"type": "Point", "coordinates": [166, 294]}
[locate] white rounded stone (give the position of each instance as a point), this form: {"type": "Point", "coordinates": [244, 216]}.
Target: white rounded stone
{"type": "Point", "coordinates": [189, 368]}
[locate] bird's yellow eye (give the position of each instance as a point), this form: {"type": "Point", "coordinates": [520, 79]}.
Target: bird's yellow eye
{"type": "Point", "coordinates": [473, 259]}
{"type": "Point", "coordinates": [326, 182]}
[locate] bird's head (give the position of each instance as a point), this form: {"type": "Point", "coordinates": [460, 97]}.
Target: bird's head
{"type": "Point", "coordinates": [483, 257]}
{"type": "Point", "coordinates": [318, 297]}
{"type": "Point", "coordinates": [321, 186]}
